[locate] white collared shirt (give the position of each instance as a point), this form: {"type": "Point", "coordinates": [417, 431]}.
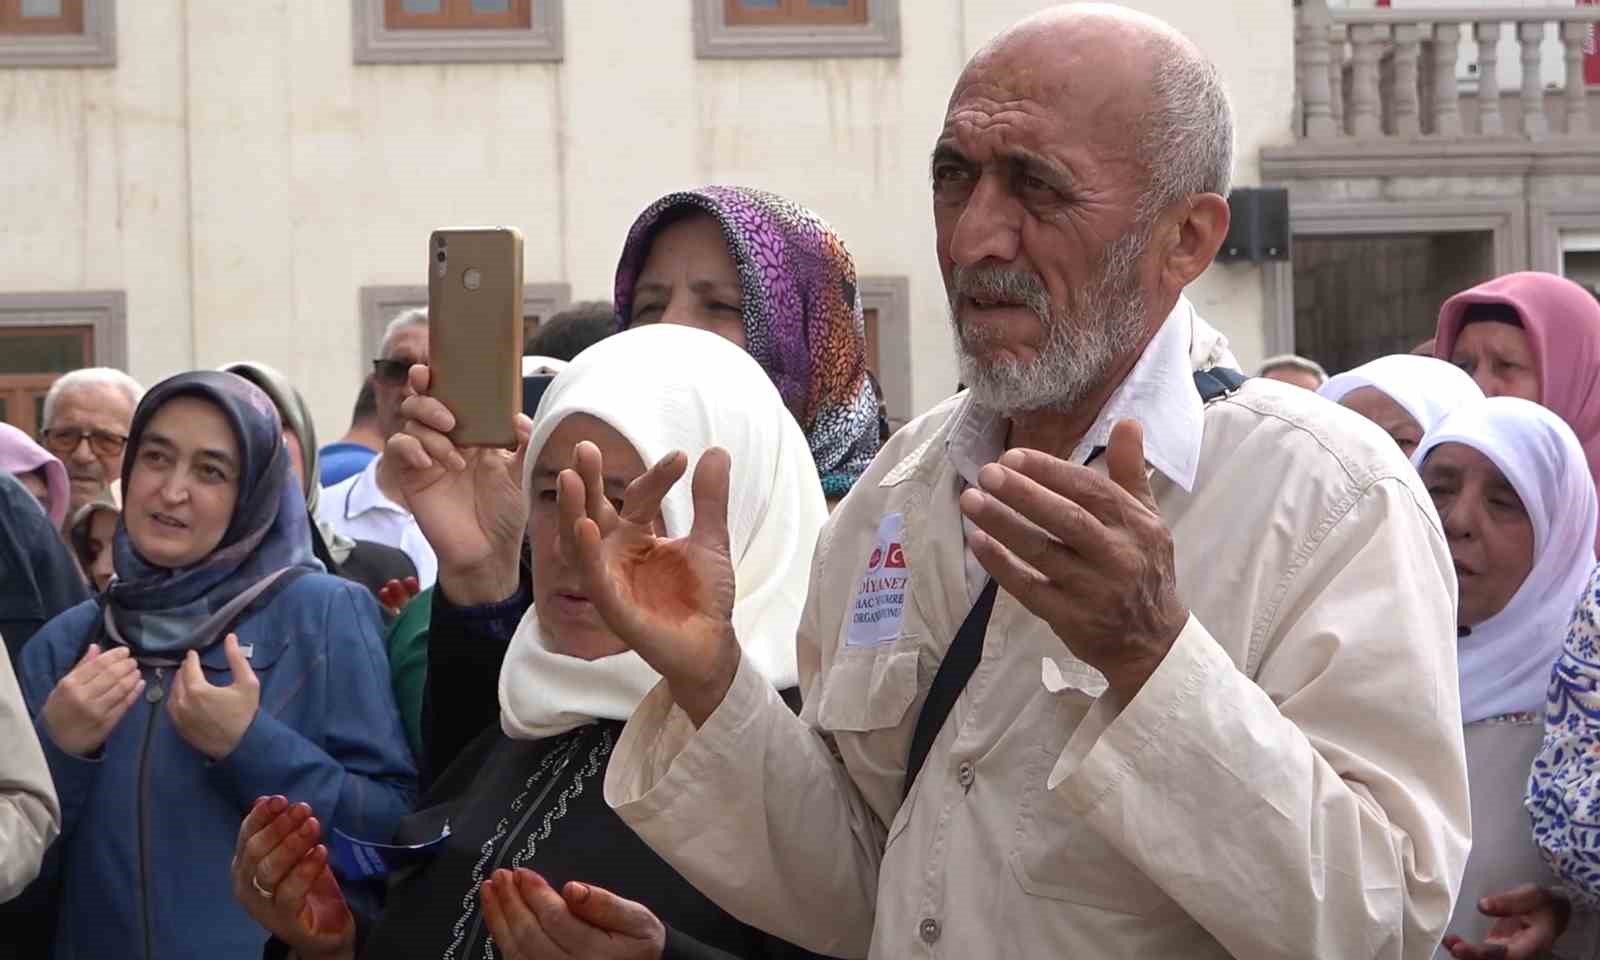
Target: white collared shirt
{"type": "Point", "coordinates": [356, 508]}
{"type": "Point", "coordinates": [1159, 393]}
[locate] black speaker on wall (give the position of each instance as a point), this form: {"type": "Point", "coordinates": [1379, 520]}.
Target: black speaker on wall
{"type": "Point", "coordinates": [1259, 229]}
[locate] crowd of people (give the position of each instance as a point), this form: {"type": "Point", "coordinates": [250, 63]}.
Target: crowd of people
{"type": "Point", "coordinates": [1116, 652]}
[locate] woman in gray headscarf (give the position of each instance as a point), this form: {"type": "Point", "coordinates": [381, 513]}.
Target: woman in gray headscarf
{"type": "Point", "coordinates": [373, 565]}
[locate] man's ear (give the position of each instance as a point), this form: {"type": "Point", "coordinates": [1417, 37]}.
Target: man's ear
{"type": "Point", "coordinates": [1198, 225]}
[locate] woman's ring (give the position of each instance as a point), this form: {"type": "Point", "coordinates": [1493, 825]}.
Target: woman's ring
{"type": "Point", "coordinates": [265, 893]}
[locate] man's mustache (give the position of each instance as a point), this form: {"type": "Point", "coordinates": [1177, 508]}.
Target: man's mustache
{"type": "Point", "coordinates": [999, 285]}
{"type": "Point", "coordinates": [992, 284]}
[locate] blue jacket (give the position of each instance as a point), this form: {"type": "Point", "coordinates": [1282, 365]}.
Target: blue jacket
{"type": "Point", "coordinates": [149, 826]}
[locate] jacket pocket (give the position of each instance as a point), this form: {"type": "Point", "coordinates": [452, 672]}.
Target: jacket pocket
{"type": "Point", "coordinates": [1061, 856]}
{"type": "Point", "coordinates": [869, 688]}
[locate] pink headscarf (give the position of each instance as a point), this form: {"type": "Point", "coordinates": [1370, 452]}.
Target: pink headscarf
{"type": "Point", "coordinates": [1562, 321]}
{"type": "Point", "coordinates": [19, 454]}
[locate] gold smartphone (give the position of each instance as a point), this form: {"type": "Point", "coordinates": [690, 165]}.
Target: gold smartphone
{"type": "Point", "coordinates": [475, 331]}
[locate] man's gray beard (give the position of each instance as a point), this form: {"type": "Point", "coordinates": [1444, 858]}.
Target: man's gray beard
{"type": "Point", "coordinates": [1088, 336]}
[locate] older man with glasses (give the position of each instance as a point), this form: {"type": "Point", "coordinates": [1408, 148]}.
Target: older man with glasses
{"type": "Point", "coordinates": [368, 506]}
{"type": "Point", "coordinates": [86, 417]}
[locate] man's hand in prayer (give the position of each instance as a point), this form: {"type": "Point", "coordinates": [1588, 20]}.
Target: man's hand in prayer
{"type": "Point", "coordinates": [1530, 919]}
{"type": "Point", "coordinates": [530, 920]}
{"type": "Point", "coordinates": [670, 600]}
{"type": "Point", "coordinates": [468, 502]}
{"type": "Point", "coordinates": [1087, 554]}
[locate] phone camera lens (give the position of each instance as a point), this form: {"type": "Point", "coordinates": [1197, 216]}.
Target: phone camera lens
{"type": "Point", "coordinates": [440, 256]}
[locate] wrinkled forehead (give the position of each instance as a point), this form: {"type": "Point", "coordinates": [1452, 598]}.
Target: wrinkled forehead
{"type": "Point", "coordinates": [92, 405]}
{"type": "Point", "coordinates": [1473, 456]}
{"type": "Point", "coordinates": [563, 429]}
{"type": "Point", "coordinates": [1041, 98]}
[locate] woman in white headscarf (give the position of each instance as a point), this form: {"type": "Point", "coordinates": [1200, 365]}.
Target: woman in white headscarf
{"type": "Point", "coordinates": [1513, 492]}
{"type": "Point", "coordinates": [517, 768]}
{"type": "Point", "coordinates": [1406, 395]}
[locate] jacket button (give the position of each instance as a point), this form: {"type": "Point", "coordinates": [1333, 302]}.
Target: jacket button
{"type": "Point", "coordinates": [965, 775]}
{"type": "Point", "coordinates": [153, 693]}
{"type": "Point", "coordinates": [928, 929]}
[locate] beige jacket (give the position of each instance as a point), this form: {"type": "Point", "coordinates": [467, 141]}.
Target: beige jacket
{"type": "Point", "coordinates": [30, 817]}
{"type": "Point", "coordinates": [1290, 782]}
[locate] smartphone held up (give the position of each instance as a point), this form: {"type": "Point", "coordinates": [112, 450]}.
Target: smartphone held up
{"type": "Point", "coordinates": [475, 331]}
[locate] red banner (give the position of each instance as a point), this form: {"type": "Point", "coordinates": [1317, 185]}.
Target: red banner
{"type": "Point", "coordinates": [1591, 49]}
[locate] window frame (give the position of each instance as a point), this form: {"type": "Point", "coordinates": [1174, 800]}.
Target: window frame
{"type": "Point", "coordinates": [375, 42]}
{"type": "Point", "coordinates": [95, 46]}
{"type": "Point", "coordinates": [395, 9]}
{"type": "Point", "coordinates": [71, 17]}
{"type": "Point", "coordinates": [104, 312]}
{"type": "Point", "coordinates": [890, 298]}
{"type": "Point", "coordinates": [716, 38]}
{"type": "Point", "coordinates": [380, 304]}
{"type": "Point", "coordinates": [854, 14]}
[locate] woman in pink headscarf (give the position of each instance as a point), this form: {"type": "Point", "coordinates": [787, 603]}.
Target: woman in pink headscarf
{"type": "Point", "coordinates": [1534, 336]}
{"type": "Point", "coordinates": [37, 469]}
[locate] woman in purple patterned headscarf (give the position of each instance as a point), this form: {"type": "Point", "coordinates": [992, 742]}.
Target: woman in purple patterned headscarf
{"type": "Point", "coordinates": [772, 277]}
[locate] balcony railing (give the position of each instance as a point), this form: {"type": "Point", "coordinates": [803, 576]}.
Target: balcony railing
{"type": "Point", "coordinates": [1375, 74]}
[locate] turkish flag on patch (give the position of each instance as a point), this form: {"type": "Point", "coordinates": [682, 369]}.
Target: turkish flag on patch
{"type": "Point", "coordinates": [897, 557]}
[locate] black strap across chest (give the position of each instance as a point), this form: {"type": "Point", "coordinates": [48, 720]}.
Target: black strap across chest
{"type": "Point", "coordinates": [967, 649]}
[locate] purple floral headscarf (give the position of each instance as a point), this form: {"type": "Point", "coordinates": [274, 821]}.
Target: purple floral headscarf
{"type": "Point", "coordinates": [802, 316]}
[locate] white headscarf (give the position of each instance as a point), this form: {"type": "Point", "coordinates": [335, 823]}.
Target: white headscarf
{"type": "Point", "coordinates": [1505, 661]}
{"type": "Point", "coordinates": [664, 388]}
{"type": "Point", "coordinates": [1428, 389]}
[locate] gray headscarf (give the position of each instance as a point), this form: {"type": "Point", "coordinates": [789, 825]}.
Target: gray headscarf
{"type": "Point", "coordinates": [297, 418]}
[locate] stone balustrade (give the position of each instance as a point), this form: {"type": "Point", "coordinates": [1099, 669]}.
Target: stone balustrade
{"type": "Point", "coordinates": [1378, 74]}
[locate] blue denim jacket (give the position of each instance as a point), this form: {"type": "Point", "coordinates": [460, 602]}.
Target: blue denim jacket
{"type": "Point", "coordinates": [149, 825]}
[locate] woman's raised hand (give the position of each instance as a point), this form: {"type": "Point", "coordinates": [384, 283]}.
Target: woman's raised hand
{"type": "Point", "coordinates": [467, 501]}
{"type": "Point", "coordinates": [280, 874]}
{"type": "Point", "coordinates": [670, 600]}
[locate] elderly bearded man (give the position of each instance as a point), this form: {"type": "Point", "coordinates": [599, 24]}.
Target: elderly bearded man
{"type": "Point", "coordinates": [1214, 709]}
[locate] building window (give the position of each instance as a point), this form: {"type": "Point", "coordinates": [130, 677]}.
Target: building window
{"type": "Point", "coordinates": [885, 305]}
{"type": "Point", "coordinates": [457, 14]}
{"type": "Point", "coordinates": [772, 13]}
{"type": "Point", "coordinates": [43, 335]}
{"type": "Point", "coordinates": [456, 31]}
{"type": "Point", "coordinates": [797, 28]}
{"type": "Point", "coordinates": [379, 305]}
{"type": "Point", "coordinates": [41, 16]}
{"type": "Point", "coordinates": [58, 33]}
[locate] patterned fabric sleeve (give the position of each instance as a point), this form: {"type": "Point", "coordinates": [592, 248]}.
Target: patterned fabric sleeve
{"type": "Point", "coordinates": [1564, 790]}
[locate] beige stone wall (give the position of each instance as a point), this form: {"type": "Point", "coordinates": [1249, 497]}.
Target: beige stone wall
{"type": "Point", "coordinates": [241, 179]}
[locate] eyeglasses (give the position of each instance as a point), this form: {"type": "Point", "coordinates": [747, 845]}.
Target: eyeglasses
{"type": "Point", "coordinates": [394, 372]}
{"type": "Point", "coordinates": [63, 440]}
